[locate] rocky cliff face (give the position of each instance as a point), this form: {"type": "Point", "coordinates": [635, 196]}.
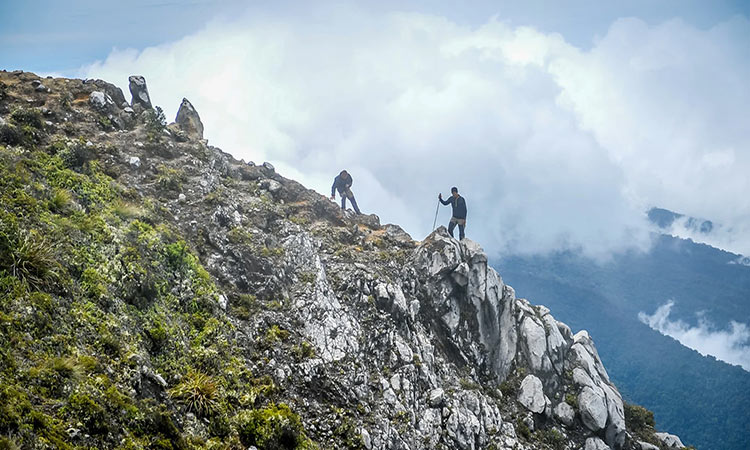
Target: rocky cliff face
{"type": "Point", "coordinates": [158, 293]}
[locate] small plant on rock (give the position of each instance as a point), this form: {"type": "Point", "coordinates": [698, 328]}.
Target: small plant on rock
{"type": "Point", "coordinates": [522, 429]}
{"type": "Point", "coordinates": [275, 334]}
{"type": "Point", "coordinates": [303, 351]}
{"type": "Point", "coordinates": [640, 422]}
{"type": "Point", "coordinates": [243, 305]}
{"type": "Point", "coordinates": [28, 257]}
{"type": "Point", "coordinates": [170, 178]}
{"type": "Point", "coordinates": [572, 400]}
{"type": "Point", "coordinates": [552, 437]}
{"type": "Point", "coordinates": [199, 393]}
{"type": "Point", "coordinates": [155, 123]}
{"type": "Point", "coordinates": [60, 200]}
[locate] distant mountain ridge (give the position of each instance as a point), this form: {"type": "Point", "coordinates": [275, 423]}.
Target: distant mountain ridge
{"type": "Point", "coordinates": [703, 399]}
{"type": "Point", "coordinates": [664, 219]}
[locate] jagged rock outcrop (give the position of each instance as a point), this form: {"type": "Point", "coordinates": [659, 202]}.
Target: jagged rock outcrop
{"type": "Point", "coordinates": [275, 296]}
{"type": "Point", "coordinates": [139, 91]}
{"type": "Point", "coordinates": [188, 120]}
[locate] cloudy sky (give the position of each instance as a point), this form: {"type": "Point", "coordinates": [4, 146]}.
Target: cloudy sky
{"type": "Point", "coordinates": [561, 123]}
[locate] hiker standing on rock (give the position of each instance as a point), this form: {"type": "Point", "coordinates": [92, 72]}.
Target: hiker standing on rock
{"type": "Point", "coordinates": [343, 184]}
{"type": "Point", "coordinates": [458, 204]}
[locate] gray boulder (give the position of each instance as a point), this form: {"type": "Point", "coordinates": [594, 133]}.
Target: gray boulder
{"type": "Point", "coordinates": [670, 440]}
{"type": "Point", "coordinates": [271, 186]}
{"type": "Point", "coordinates": [101, 101]}
{"type": "Point", "coordinates": [594, 443]}
{"type": "Point", "coordinates": [188, 120]}
{"type": "Point", "coordinates": [531, 395]}
{"type": "Point", "coordinates": [436, 397]}
{"type": "Point", "coordinates": [646, 446]}
{"type": "Point", "coordinates": [535, 344]}
{"type": "Point", "coordinates": [369, 220]}
{"type": "Point", "coordinates": [139, 91]}
{"type": "Point", "coordinates": [564, 413]}
{"type": "Point", "coordinates": [114, 92]}
{"type": "Point", "coordinates": [593, 408]}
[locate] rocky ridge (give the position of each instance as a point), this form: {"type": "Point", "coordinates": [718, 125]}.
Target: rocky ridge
{"type": "Point", "coordinates": [372, 339]}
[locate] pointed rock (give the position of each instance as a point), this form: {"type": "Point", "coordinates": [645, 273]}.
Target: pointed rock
{"type": "Point", "coordinates": [139, 91]}
{"type": "Point", "coordinates": [189, 121]}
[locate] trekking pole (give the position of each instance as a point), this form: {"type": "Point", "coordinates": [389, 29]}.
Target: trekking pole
{"type": "Point", "coordinates": [437, 210]}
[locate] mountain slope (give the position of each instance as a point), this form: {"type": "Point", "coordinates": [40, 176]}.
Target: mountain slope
{"type": "Point", "coordinates": [157, 293]}
{"type": "Point", "coordinates": [704, 400]}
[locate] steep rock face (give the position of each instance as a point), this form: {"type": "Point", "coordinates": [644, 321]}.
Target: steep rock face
{"type": "Point", "coordinates": [377, 341]}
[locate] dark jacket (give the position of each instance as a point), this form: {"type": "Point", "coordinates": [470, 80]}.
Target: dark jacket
{"type": "Point", "coordinates": [458, 204]}
{"type": "Point", "coordinates": [341, 184]}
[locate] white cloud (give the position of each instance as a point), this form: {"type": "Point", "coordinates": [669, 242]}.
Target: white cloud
{"type": "Point", "coordinates": [731, 238]}
{"type": "Point", "coordinates": [552, 146]}
{"type": "Point", "coordinates": [731, 345]}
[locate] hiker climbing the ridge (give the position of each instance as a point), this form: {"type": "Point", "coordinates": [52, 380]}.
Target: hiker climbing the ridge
{"type": "Point", "coordinates": [343, 184]}
{"type": "Point", "coordinates": [458, 204]}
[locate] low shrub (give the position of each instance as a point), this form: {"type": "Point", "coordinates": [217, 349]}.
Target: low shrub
{"type": "Point", "coordinates": [275, 427]}
{"type": "Point", "coordinates": [199, 393]}
{"type": "Point", "coordinates": [28, 256]}
{"type": "Point", "coordinates": [29, 117]}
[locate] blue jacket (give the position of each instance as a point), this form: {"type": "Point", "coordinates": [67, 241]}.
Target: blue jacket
{"type": "Point", "coordinates": [341, 184]}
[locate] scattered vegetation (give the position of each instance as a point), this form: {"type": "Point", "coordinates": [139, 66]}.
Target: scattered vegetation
{"type": "Point", "coordinates": [11, 135]}
{"type": "Point", "coordinates": [303, 351]}
{"type": "Point", "coordinates": [94, 287]}
{"type": "Point", "coordinates": [276, 334]}
{"type": "Point", "coordinates": [522, 429]}
{"type": "Point", "coordinates": [572, 400]}
{"type": "Point", "coordinates": [307, 277]}
{"type": "Point", "coordinates": [27, 117]}
{"type": "Point", "coordinates": [170, 178]}
{"type": "Point", "coordinates": [274, 427]}
{"type": "Point", "coordinates": [243, 306]}
{"type": "Point", "coordinates": [469, 385]}
{"type": "Point", "coordinates": [552, 437]}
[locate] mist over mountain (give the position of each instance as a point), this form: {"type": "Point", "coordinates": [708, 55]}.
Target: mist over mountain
{"type": "Point", "coordinates": [555, 145]}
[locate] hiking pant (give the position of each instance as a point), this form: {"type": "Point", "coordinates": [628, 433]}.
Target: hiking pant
{"type": "Point", "coordinates": [461, 225]}
{"type": "Point", "coordinates": [348, 194]}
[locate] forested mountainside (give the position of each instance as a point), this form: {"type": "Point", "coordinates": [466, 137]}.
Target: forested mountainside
{"type": "Point", "coordinates": [704, 400]}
